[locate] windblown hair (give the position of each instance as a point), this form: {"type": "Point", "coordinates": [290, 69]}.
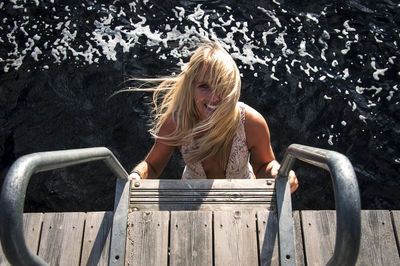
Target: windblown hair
{"type": "Point", "coordinates": [173, 99]}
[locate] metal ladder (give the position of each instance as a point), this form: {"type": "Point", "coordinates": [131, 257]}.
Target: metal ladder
{"type": "Point", "coordinates": [347, 201]}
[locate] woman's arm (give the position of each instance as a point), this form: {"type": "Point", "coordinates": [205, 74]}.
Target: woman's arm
{"type": "Point", "coordinates": [261, 153]}
{"type": "Point", "coordinates": [158, 157]}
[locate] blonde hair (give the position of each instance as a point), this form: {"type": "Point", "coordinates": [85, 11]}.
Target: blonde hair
{"type": "Point", "coordinates": [173, 99]}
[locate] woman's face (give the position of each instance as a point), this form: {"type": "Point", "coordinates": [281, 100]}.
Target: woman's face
{"type": "Point", "coordinates": [204, 96]}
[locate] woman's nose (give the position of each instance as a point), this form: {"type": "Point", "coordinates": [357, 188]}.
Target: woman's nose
{"type": "Point", "coordinates": [214, 98]}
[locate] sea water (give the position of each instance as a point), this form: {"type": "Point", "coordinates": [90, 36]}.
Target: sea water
{"type": "Point", "coordinates": [323, 73]}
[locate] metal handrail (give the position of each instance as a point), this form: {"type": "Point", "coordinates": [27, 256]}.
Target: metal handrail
{"type": "Point", "coordinates": [347, 198]}
{"type": "Point", "coordinates": [14, 189]}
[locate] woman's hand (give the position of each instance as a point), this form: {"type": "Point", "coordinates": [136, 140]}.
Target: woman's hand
{"type": "Point", "coordinates": [293, 182]}
{"type": "Point", "coordinates": [134, 176]}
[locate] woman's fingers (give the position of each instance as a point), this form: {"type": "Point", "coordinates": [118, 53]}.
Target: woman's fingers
{"type": "Point", "coordinates": [134, 176]}
{"type": "Point", "coordinates": [275, 169]}
{"type": "Point", "coordinates": [294, 183]}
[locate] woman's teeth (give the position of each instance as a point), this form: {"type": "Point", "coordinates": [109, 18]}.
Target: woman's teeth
{"type": "Point", "coordinates": [211, 107]}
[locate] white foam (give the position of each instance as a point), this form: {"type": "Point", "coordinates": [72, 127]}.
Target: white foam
{"type": "Point", "coordinates": [302, 49]}
{"type": "Point", "coordinates": [299, 28]}
{"type": "Point", "coordinates": [379, 72]}
{"type": "Point", "coordinates": [288, 69]}
{"type": "Point", "coordinates": [181, 13]}
{"type": "Point", "coordinates": [280, 40]}
{"type": "Point", "coordinates": [270, 31]}
{"type": "Point", "coordinates": [205, 22]}
{"type": "Point", "coordinates": [377, 40]}
{"type": "Point", "coordinates": [362, 118]}
{"type": "Point", "coordinates": [197, 15]}
{"type": "Point", "coordinates": [347, 26]}
{"type": "Point", "coordinates": [345, 73]}
{"type": "Point", "coordinates": [271, 15]}
{"type": "Point", "coordinates": [330, 142]}
{"type": "Point", "coordinates": [347, 49]}
{"type": "Point", "coordinates": [36, 52]}
{"type": "Point", "coordinates": [312, 17]}
{"type": "Point", "coordinates": [273, 77]}
{"type": "Point", "coordinates": [326, 35]}
{"type": "Point", "coordinates": [371, 104]}
{"type": "Point", "coordinates": [353, 106]}
{"type": "Point", "coordinates": [360, 90]}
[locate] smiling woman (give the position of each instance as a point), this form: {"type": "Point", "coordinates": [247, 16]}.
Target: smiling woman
{"type": "Point", "coordinates": [200, 113]}
{"type": "Point", "coordinates": [204, 96]}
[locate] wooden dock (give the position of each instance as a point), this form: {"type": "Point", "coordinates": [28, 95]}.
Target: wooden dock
{"type": "Point", "coordinates": [241, 237]}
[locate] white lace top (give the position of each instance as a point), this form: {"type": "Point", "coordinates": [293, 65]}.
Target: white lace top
{"type": "Point", "coordinates": [238, 164]}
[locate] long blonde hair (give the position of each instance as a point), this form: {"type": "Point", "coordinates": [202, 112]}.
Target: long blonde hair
{"type": "Point", "coordinates": [173, 99]}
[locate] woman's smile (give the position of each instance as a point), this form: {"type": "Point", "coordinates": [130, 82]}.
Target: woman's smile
{"type": "Point", "coordinates": [204, 96]}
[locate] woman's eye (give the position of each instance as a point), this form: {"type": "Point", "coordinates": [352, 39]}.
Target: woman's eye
{"type": "Point", "coordinates": [203, 86]}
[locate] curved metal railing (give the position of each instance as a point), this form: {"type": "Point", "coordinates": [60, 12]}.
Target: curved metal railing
{"type": "Point", "coordinates": [14, 189]}
{"type": "Point", "coordinates": [347, 201]}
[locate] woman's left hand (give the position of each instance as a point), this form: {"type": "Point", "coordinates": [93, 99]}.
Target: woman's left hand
{"type": "Point", "coordinates": [293, 182]}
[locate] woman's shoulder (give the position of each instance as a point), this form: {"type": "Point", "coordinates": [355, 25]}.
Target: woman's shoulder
{"type": "Point", "coordinates": [255, 123]}
{"type": "Point", "coordinates": [168, 126]}
{"type": "Point", "coordinates": [252, 116]}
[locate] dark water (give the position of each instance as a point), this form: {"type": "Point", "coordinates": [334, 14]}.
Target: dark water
{"type": "Point", "coordinates": [323, 73]}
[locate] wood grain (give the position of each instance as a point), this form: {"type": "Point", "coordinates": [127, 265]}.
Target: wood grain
{"type": "Point", "coordinates": [378, 244]}
{"type": "Point", "coordinates": [61, 238]}
{"type": "Point", "coordinates": [298, 239]}
{"type": "Point", "coordinates": [267, 223]}
{"type": "Point", "coordinates": [147, 238]}
{"type": "Point", "coordinates": [32, 224]}
{"type": "Point", "coordinates": [235, 238]}
{"type": "Point", "coordinates": [191, 238]}
{"type": "Point", "coordinates": [96, 240]}
{"type": "Point", "coordinates": [377, 247]}
{"type": "Point", "coordinates": [396, 226]}
{"type": "Point", "coordinates": [319, 229]}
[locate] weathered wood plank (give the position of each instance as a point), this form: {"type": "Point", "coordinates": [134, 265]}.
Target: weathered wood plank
{"type": "Point", "coordinates": [32, 230]}
{"type": "Point", "coordinates": [61, 238]}
{"type": "Point", "coordinates": [96, 240]}
{"type": "Point", "coordinates": [267, 224]}
{"type": "Point", "coordinates": [191, 238]}
{"type": "Point", "coordinates": [378, 246]}
{"type": "Point", "coordinates": [32, 223]}
{"type": "Point", "coordinates": [3, 260]}
{"type": "Point", "coordinates": [203, 194]}
{"type": "Point", "coordinates": [235, 238]}
{"type": "Point", "coordinates": [147, 238]}
{"type": "Point", "coordinates": [396, 226]}
{"type": "Point", "coordinates": [298, 238]}
{"type": "Point", "coordinates": [319, 229]}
